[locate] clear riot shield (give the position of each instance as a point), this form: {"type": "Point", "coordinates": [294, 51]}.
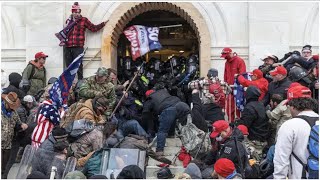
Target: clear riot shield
{"type": "Point", "coordinates": [59, 167]}
{"type": "Point", "coordinates": [115, 159]}
{"type": "Point", "coordinates": [70, 166]}
{"type": "Point", "coordinates": [25, 164]}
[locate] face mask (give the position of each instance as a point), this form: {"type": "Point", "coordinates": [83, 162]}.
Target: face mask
{"type": "Point", "coordinates": [219, 138]}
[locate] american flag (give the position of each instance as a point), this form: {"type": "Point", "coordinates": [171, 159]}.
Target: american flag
{"type": "Point", "coordinates": [60, 90]}
{"type": "Point", "coordinates": [48, 117]}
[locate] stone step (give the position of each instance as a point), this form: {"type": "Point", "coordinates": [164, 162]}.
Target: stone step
{"type": "Point", "coordinates": [153, 162]}
{"type": "Point", "coordinates": [169, 151]}
{"type": "Point", "coordinates": [171, 142]}
{"type": "Point", "coordinates": [151, 171]}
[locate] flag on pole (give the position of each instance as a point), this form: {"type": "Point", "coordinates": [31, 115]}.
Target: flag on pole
{"type": "Point", "coordinates": [60, 89]}
{"type": "Point", "coordinates": [143, 39]}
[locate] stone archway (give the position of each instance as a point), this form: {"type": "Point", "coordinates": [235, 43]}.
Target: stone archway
{"type": "Point", "coordinates": [125, 12]}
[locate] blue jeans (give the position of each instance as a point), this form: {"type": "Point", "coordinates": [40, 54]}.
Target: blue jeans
{"type": "Point", "coordinates": [166, 118]}
{"type": "Point", "coordinates": [132, 127]}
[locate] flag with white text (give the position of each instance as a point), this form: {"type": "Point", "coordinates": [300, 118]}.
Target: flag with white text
{"type": "Point", "coordinates": [143, 39]}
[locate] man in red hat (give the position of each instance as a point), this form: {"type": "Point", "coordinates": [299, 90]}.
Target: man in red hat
{"type": "Point", "coordinates": [76, 38]}
{"type": "Point", "coordinates": [227, 144]}
{"type": "Point", "coordinates": [34, 75]}
{"type": "Point", "coordinates": [279, 85]}
{"type": "Point", "coordinates": [234, 65]}
{"type": "Point", "coordinates": [291, 147]}
{"type": "Point", "coordinates": [257, 80]}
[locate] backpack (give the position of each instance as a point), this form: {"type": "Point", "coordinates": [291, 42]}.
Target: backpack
{"type": "Point", "coordinates": [311, 169]}
{"type": "Point", "coordinates": [195, 141]}
{"type": "Point", "coordinates": [219, 96]}
{"type": "Point", "coordinates": [78, 128]}
{"type": "Point", "coordinates": [33, 70]}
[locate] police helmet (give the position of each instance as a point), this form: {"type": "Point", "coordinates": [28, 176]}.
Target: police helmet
{"type": "Point", "coordinates": [298, 73]}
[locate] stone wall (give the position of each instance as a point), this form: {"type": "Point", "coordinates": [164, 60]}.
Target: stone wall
{"type": "Point", "coordinates": [249, 28]}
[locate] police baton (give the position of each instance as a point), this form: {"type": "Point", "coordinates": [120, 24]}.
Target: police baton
{"type": "Point", "coordinates": [134, 78]}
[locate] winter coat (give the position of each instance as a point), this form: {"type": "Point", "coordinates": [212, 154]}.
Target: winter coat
{"type": "Point", "coordinates": [293, 136]}
{"type": "Point", "coordinates": [228, 149]}
{"type": "Point", "coordinates": [254, 116]}
{"type": "Point", "coordinates": [37, 80]}
{"type": "Point", "coordinates": [233, 66]}
{"type": "Point", "coordinates": [161, 99]}
{"type": "Point", "coordinates": [87, 112]}
{"type": "Point", "coordinates": [8, 125]}
{"type": "Point", "coordinates": [87, 143]}
{"type": "Point", "coordinates": [279, 87]}
{"type": "Point", "coordinates": [23, 113]}
{"type": "Point", "coordinates": [260, 83]}
{"type": "Point", "coordinates": [93, 165]}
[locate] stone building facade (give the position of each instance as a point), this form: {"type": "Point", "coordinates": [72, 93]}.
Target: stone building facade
{"type": "Point", "coordinates": [251, 29]}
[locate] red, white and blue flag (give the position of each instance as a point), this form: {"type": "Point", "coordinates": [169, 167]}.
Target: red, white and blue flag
{"type": "Point", "coordinates": [60, 89]}
{"type": "Point", "coordinates": [143, 39]}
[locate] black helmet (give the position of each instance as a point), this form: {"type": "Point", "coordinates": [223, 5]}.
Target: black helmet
{"type": "Point", "coordinates": [164, 173]}
{"type": "Point", "coordinates": [212, 73]}
{"type": "Point", "coordinates": [298, 73]}
{"type": "Point", "coordinates": [52, 80]}
{"type": "Point", "coordinates": [182, 60]}
{"type": "Point", "coordinates": [193, 59]}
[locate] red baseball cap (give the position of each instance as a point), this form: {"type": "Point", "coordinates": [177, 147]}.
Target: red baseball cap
{"type": "Point", "coordinates": [243, 129]}
{"type": "Point", "coordinates": [218, 127]}
{"type": "Point", "coordinates": [40, 55]}
{"type": "Point", "coordinates": [149, 92]}
{"type": "Point", "coordinates": [294, 84]}
{"type": "Point", "coordinates": [224, 167]}
{"type": "Point", "coordinates": [225, 52]}
{"type": "Point", "coordinates": [258, 73]}
{"type": "Point", "coordinates": [279, 70]}
{"type": "Point", "coordinates": [298, 92]}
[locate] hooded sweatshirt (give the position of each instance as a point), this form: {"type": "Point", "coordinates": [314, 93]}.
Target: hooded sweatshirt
{"type": "Point", "coordinates": [261, 83]}
{"type": "Point", "coordinates": [254, 116]}
{"type": "Point", "coordinates": [14, 79]}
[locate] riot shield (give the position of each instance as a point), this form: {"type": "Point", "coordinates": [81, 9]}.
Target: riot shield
{"type": "Point", "coordinates": [115, 159]}
{"type": "Point", "coordinates": [70, 166]}
{"type": "Point", "coordinates": [25, 164]}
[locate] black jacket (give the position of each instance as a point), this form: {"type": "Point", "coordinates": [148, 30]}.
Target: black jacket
{"type": "Point", "coordinates": [14, 79]}
{"type": "Point", "coordinates": [228, 149]}
{"type": "Point", "coordinates": [279, 87]}
{"type": "Point", "coordinates": [161, 99]}
{"type": "Point", "coordinates": [254, 116]}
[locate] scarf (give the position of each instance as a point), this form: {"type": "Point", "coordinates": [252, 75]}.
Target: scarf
{"type": "Point", "coordinates": [65, 32]}
{"type": "Point", "coordinates": [5, 111]}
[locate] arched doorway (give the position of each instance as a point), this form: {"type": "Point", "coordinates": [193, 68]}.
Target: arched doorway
{"type": "Point", "coordinates": [125, 12]}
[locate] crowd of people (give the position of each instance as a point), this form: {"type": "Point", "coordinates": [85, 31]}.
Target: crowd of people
{"type": "Point", "coordinates": [142, 102]}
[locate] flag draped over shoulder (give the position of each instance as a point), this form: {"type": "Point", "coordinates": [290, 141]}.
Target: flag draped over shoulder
{"type": "Point", "coordinates": [143, 39]}
{"type": "Point", "coordinates": [65, 32]}
{"type": "Point", "coordinates": [239, 92]}
{"type": "Point", "coordinates": [60, 89]}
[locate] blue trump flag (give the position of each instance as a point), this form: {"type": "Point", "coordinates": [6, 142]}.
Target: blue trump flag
{"type": "Point", "coordinates": [60, 90]}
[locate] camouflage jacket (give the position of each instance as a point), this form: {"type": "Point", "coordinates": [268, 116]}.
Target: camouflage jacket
{"type": "Point", "coordinates": [279, 115]}
{"type": "Point", "coordinates": [87, 143]}
{"type": "Point", "coordinates": [90, 89]}
{"type": "Point", "coordinates": [8, 125]}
